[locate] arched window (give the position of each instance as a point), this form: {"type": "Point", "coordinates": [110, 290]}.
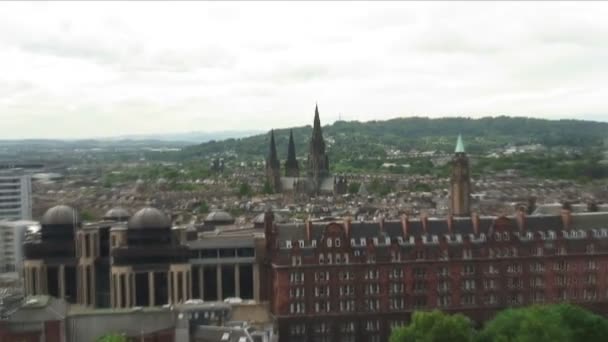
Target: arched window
{"type": "Point", "coordinates": [328, 242]}
{"type": "Point", "coordinates": [337, 243]}
{"type": "Point", "coordinates": [321, 259]}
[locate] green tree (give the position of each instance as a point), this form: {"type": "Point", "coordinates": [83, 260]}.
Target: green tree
{"type": "Point", "coordinates": [112, 338]}
{"type": "Point", "coordinates": [87, 216]}
{"type": "Point", "coordinates": [245, 189]}
{"type": "Point", "coordinates": [353, 187]}
{"type": "Point", "coordinates": [435, 326]}
{"type": "Point", "coordinates": [532, 324]}
{"type": "Point", "coordinates": [267, 188]}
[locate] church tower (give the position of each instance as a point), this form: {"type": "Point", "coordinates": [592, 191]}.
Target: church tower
{"type": "Point", "coordinates": [291, 164]}
{"type": "Point", "coordinates": [460, 183]}
{"type": "Point", "coordinates": [273, 166]}
{"type": "Point", "coordinates": [318, 163]}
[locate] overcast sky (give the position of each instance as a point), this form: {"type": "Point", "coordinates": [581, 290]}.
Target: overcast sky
{"type": "Point", "coordinates": [74, 70]}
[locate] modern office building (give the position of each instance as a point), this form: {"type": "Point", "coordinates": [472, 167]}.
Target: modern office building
{"type": "Point", "coordinates": [12, 236]}
{"type": "Point", "coordinates": [15, 195]}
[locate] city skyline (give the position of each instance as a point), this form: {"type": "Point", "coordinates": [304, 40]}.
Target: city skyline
{"type": "Point", "coordinates": [110, 69]}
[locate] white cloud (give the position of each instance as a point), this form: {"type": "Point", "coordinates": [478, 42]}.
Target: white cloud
{"type": "Point", "coordinates": [108, 68]}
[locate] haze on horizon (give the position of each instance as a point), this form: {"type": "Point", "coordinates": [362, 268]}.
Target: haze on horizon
{"type": "Point", "coordinates": [84, 70]}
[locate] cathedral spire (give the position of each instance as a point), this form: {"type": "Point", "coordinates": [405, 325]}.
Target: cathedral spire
{"type": "Point", "coordinates": [316, 142]}
{"type": "Point", "coordinates": [291, 164]}
{"type": "Point", "coordinates": [273, 160]}
{"type": "Point", "coordinates": [318, 163]}
{"type": "Point", "coordinates": [273, 166]}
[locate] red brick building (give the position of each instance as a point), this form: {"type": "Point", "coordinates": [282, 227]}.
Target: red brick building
{"type": "Point", "coordinates": [354, 281]}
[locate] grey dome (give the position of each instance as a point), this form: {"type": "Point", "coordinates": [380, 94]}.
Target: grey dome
{"type": "Point", "coordinates": [149, 218]}
{"type": "Point", "coordinates": [61, 215]}
{"type": "Point", "coordinates": [260, 218]}
{"type": "Point", "coordinates": [117, 214]}
{"type": "Point", "coordinates": [219, 216]}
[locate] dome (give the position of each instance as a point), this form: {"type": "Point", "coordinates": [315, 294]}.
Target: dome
{"type": "Point", "coordinates": [60, 215]}
{"type": "Point", "coordinates": [117, 214]}
{"type": "Point", "coordinates": [219, 216]}
{"type": "Point", "coordinates": [260, 218]}
{"type": "Point", "coordinates": [149, 218]}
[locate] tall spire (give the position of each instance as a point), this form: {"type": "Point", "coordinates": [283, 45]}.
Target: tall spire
{"type": "Point", "coordinates": [273, 160]}
{"type": "Point", "coordinates": [273, 167]}
{"type": "Point", "coordinates": [459, 145]}
{"type": "Point", "coordinates": [291, 164]}
{"type": "Point", "coordinates": [316, 142]}
{"type": "Point", "coordinates": [318, 163]}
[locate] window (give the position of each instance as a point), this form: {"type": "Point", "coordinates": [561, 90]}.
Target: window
{"type": "Point", "coordinates": [338, 242]}
{"type": "Point", "coordinates": [419, 272]}
{"type": "Point", "coordinates": [490, 299]}
{"type": "Point", "coordinates": [321, 259]}
{"type": "Point", "coordinates": [396, 288]}
{"type": "Point", "coordinates": [322, 276]}
{"type": "Point", "coordinates": [338, 259]}
{"type": "Point", "coordinates": [489, 284]}
{"type": "Point", "coordinates": [296, 277]}
{"type": "Point", "coordinates": [301, 243]}
{"type": "Point", "coordinates": [297, 308]}
{"type": "Point", "coordinates": [372, 289]}
{"type": "Point", "coordinates": [443, 272]}
{"type": "Point", "coordinates": [468, 285]}
{"type": "Point", "coordinates": [591, 265]}
{"type": "Point", "coordinates": [537, 282]}
{"type": "Point", "coordinates": [443, 286]}
{"type": "Point", "coordinates": [469, 270]}
{"type": "Point", "coordinates": [296, 292]}
{"type": "Point", "coordinates": [396, 304]}
{"type": "Point", "coordinates": [288, 244]}
{"type": "Point", "coordinates": [590, 248]}
{"type": "Point", "coordinates": [419, 255]}
{"type": "Point", "coordinates": [468, 299]}
{"type": "Point", "coordinates": [444, 301]}
{"type": "Point", "coordinates": [296, 260]}
{"type": "Point", "coordinates": [328, 241]}
{"type": "Point", "coordinates": [467, 254]}
{"type": "Point", "coordinates": [329, 259]}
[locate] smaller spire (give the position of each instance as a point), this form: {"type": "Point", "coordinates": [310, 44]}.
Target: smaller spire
{"type": "Point", "coordinates": [273, 160]}
{"type": "Point", "coordinates": [459, 145]}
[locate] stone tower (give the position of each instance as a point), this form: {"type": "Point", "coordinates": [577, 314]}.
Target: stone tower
{"type": "Point", "coordinates": [291, 164]}
{"type": "Point", "coordinates": [273, 166]}
{"type": "Point", "coordinates": [460, 183]}
{"type": "Point", "coordinates": [318, 163]}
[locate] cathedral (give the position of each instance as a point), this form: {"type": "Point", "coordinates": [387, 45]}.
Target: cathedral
{"type": "Point", "coordinates": [317, 179]}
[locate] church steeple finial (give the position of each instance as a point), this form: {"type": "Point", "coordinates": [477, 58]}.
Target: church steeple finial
{"type": "Point", "coordinates": [291, 164]}
{"type": "Point", "coordinates": [459, 145]}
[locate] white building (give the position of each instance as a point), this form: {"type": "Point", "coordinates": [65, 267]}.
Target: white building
{"type": "Point", "coordinates": [15, 195]}
{"type": "Point", "coordinates": [12, 234]}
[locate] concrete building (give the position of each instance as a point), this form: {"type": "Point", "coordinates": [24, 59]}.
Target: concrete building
{"type": "Point", "coordinates": [15, 195]}
{"type": "Point", "coordinates": [142, 260]}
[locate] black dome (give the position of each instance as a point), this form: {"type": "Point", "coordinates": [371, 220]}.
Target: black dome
{"type": "Point", "coordinates": [149, 218]}
{"type": "Point", "coordinates": [117, 214]}
{"type": "Point", "coordinates": [61, 215]}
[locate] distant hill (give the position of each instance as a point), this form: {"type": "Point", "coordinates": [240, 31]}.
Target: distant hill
{"type": "Point", "coordinates": [355, 139]}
